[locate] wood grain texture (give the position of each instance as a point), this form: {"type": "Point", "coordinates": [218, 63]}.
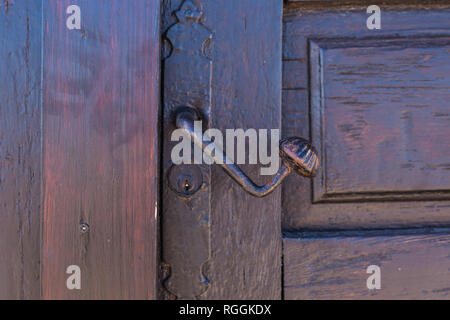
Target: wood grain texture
{"type": "Point", "coordinates": [321, 3]}
{"type": "Point", "coordinates": [394, 87]}
{"type": "Point", "coordinates": [382, 108]}
{"type": "Point", "coordinates": [20, 145]}
{"type": "Point", "coordinates": [245, 231]}
{"type": "Point", "coordinates": [101, 102]}
{"type": "Point", "coordinates": [245, 234]}
{"type": "Point", "coordinates": [413, 266]}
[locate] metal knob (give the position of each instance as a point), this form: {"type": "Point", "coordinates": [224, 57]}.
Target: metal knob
{"type": "Point", "coordinates": [297, 155]}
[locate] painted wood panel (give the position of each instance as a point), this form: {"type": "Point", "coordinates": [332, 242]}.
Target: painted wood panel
{"type": "Point", "coordinates": [101, 101]}
{"type": "Point", "coordinates": [374, 186]}
{"type": "Point", "coordinates": [412, 266]}
{"type": "Point", "coordinates": [246, 231]}
{"type": "Point", "coordinates": [375, 104]}
{"type": "Point", "coordinates": [384, 120]}
{"type": "Point", "coordinates": [20, 146]}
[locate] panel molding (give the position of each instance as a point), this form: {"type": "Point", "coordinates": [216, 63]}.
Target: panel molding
{"type": "Point", "coordinates": [320, 194]}
{"type": "Point", "coordinates": [359, 211]}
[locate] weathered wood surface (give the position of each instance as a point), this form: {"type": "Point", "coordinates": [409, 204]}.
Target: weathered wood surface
{"type": "Point", "coordinates": [355, 3]}
{"type": "Point", "coordinates": [245, 233]}
{"type": "Point", "coordinates": [100, 123]}
{"type": "Point", "coordinates": [375, 103]}
{"type": "Point", "coordinates": [413, 266]}
{"type": "Point", "coordinates": [383, 118]}
{"type": "Point", "coordinates": [20, 145]}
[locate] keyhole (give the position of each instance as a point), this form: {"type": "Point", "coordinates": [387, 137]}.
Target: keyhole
{"type": "Point", "coordinates": [187, 186]}
{"type": "Point", "coordinates": [185, 180]}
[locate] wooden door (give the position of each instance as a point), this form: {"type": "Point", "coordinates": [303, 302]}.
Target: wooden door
{"type": "Point", "coordinates": [79, 123]}
{"type": "Point", "coordinates": [223, 58]}
{"type": "Point", "coordinates": [375, 105]}
{"type": "Point", "coordinates": [83, 140]}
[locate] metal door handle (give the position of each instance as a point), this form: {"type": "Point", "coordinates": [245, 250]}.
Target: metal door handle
{"type": "Point", "coordinates": [297, 155]}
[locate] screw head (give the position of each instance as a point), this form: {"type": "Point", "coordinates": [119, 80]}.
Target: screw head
{"type": "Point", "coordinates": [84, 227]}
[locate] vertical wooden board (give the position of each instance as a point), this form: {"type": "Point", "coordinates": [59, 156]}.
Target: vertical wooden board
{"type": "Point", "coordinates": [100, 125]}
{"type": "Point", "coordinates": [20, 136]}
{"type": "Point", "coordinates": [246, 93]}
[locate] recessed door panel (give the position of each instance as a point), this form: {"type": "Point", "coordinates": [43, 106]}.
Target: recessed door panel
{"type": "Point", "coordinates": [375, 104]}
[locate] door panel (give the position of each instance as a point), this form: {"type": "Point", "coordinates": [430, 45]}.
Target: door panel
{"type": "Point", "coordinates": [100, 129]}
{"type": "Point", "coordinates": [375, 104]}
{"type": "Point", "coordinates": [20, 145]}
{"type": "Point", "coordinates": [413, 266]}
{"type": "Point", "coordinates": [386, 137]}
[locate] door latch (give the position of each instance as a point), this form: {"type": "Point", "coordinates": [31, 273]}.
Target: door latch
{"type": "Point", "coordinates": [297, 155]}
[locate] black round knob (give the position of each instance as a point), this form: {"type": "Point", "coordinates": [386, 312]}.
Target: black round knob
{"type": "Point", "coordinates": [299, 155]}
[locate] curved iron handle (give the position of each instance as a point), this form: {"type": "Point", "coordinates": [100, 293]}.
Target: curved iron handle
{"type": "Point", "coordinates": [297, 155]}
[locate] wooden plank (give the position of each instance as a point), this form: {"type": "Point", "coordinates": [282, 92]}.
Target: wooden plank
{"type": "Point", "coordinates": [20, 145]}
{"type": "Point", "coordinates": [358, 2]}
{"type": "Point", "coordinates": [101, 103]}
{"type": "Point", "coordinates": [412, 266]}
{"type": "Point", "coordinates": [246, 86]}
